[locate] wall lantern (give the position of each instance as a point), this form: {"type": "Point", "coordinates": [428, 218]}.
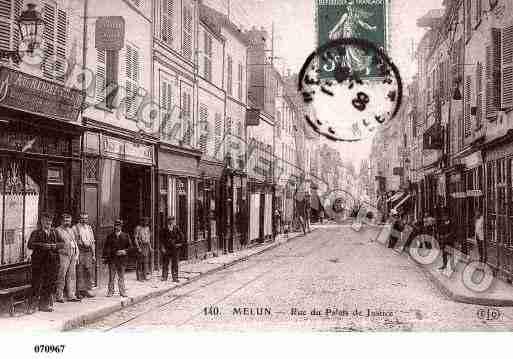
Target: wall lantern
{"type": "Point", "coordinates": [31, 25]}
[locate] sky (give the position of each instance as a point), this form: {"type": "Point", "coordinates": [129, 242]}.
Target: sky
{"type": "Point", "coordinates": [295, 39]}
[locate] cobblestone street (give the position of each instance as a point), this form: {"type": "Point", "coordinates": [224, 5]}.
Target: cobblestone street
{"type": "Point", "coordinates": [333, 270]}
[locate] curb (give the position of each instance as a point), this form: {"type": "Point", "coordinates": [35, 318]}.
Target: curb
{"type": "Point", "coordinates": [87, 318]}
{"type": "Point", "coordinates": [452, 295]}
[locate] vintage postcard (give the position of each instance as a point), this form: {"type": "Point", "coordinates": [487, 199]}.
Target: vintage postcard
{"type": "Point", "coordinates": [255, 166]}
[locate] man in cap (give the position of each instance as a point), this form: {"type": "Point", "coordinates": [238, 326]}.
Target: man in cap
{"type": "Point", "coordinates": [87, 255]}
{"type": "Point", "coordinates": [68, 259]}
{"type": "Point", "coordinates": [45, 265]}
{"type": "Point", "coordinates": [171, 240]}
{"type": "Point", "coordinates": [115, 254]}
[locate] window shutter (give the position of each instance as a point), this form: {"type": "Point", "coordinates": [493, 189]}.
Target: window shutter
{"type": "Point", "coordinates": [493, 74]}
{"type": "Point", "coordinates": [278, 123]}
{"type": "Point", "coordinates": [229, 70]}
{"type": "Point", "coordinates": [207, 56]}
{"type": "Point", "coordinates": [203, 113]}
{"type": "Point", "coordinates": [187, 125]}
{"type": "Point", "coordinates": [218, 132]}
{"type": "Point", "coordinates": [167, 17]}
{"type": "Point", "coordinates": [468, 19]}
{"type": "Point", "coordinates": [61, 39]}
{"type": "Point", "coordinates": [468, 96]}
{"type": "Point", "coordinates": [187, 32]}
{"type": "Point", "coordinates": [479, 94]}
{"type": "Point", "coordinates": [241, 73]}
{"type": "Point", "coordinates": [133, 69]}
{"type": "Point", "coordinates": [48, 38]}
{"type": "Point", "coordinates": [100, 75]}
{"type": "Point", "coordinates": [507, 67]}
{"type": "Point", "coordinates": [9, 32]}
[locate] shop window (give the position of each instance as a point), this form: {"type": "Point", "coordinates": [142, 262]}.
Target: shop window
{"type": "Point", "coordinates": [91, 169]}
{"type": "Point", "coordinates": [110, 193]}
{"type": "Point", "coordinates": [20, 196]}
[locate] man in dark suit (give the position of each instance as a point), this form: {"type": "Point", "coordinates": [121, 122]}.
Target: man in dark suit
{"type": "Point", "coordinates": [45, 265]}
{"type": "Point", "coordinates": [115, 254]}
{"type": "Point", "coordinates": [171, 241]}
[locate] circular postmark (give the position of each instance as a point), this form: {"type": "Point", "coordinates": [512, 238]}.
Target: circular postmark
{"type": "Point", "coordinates": [345, 102]}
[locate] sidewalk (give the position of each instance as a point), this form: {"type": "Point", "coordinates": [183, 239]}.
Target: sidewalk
{"type": "Point", "coordinates": [451, 281]}
{"type": "Point", "coordinates": [67, 316]}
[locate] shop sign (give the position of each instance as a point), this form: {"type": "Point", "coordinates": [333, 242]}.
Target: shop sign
{"type": "Point", "coordinates": [473, 160]}
{"type": "Point", "coordinates": [474, 193]}
{"type": "Point", "coordinates": [27, 93]}
{"type": "Point", "coordinates": [126, 150]}
{"type": "Point", "coordinates": [459, 195]}
{"type": "Point", "coordinates": [110, 33]}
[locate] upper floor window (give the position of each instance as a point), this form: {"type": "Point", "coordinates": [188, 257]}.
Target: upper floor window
{"type": "Point", "coordinates": [167, 21]}
{"type": "Point", "coordinates": [187, 30]}
{"type": "Point", "coordinates": [55, 37]}
{"type": "Point", "coordinates": [229, 74]}
{"type": "Point", "coordinates": [207, 56]}
{"type": "Point", "coordinates": [9, 32]}
{"type": "Point", "coordinates": [133, 63]}
{"type": "Point", "coordinates": [240, 81]}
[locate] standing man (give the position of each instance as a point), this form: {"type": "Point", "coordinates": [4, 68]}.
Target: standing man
{"type": "Point", "coordinates": [445, 237]}
{"type": "Point", "coordinates": [479, 230]}
{"type": "Point", "coordinates": [45, 265]}
{"type": "Point", "coordinates": [142, 238]}
{"type": "Point", "coordinates": [86, 258]}
{"type": "Point", "coordinates": [68, 260]}
{"type": "Point", "coordinates": [171, 241]}
{"type": "Point", "coordinates": [115, 254]}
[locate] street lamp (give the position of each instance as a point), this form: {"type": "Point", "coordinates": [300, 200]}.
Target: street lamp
{"type": "Point", "coordinates": [30, 25]}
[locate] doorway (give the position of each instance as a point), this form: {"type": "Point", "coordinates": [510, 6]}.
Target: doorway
{"type": "Point", "coordinates": [135, 195]}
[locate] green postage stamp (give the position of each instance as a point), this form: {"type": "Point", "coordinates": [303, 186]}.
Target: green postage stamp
{"type": "Point", "coordinates": [365, 19]}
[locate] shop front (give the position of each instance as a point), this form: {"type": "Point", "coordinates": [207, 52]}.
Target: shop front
{"type": "Point", "coordinates": [212, 187]}
{"type": "Point", "coordinates": [498, 172]}
{"type": "Point", "coordinates": [236, 216]}
{"type": "Point", "coordinates": [179, 191]}
{"type": "Point", "coordinates": [40, 164]}
{"type": "Point", "coordinates": [118, 183]}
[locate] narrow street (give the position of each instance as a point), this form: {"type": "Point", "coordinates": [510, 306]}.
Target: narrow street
{"type": "Point", "coordinates": [332, 268]}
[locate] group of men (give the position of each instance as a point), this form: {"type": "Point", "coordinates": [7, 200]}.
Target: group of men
{"type": "Point", "coordinates": [62, 262]}
{"type": "Point", "coordinates": [63, 258]}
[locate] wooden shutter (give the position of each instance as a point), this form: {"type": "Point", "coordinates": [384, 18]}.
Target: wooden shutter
{"type": "Point", "coordinates": [468, 96]}
{"type": "Point", "coordinates": [229, 70]}
{"type": "Point", "coordinates": [101, 59]}
{"type": "Point", "coordinates": [479, 94]}
{"type": "Point", "coordinates": [187, 31]}
{"type": "Point", "coordinates": [493, 74]}
{"type": "Point", "coordinates": [218, 133]}
{"type": "Point", "coordinates": [9, 32]}
{"type": "Point", "coordinates": [187, 125]}
{"type": "Point", "coordinates": [167, 21]}
{"type": "Point", "coordinates": [48, 38]}
{"type": "Point", "coordinates": [203, 114]}
{"type": "Point", "coordinates": [60, 43]}
{"type": "Point", "coordinates": [468, 19]}
{"type": "Point", "coordinates": [507, 67]}
{"type": "Point", "coordinates": [207, 49]}
{"type": "Point", "coordinates": [133, 70]}
{"type": "Point", "coordinates": [241, 73]}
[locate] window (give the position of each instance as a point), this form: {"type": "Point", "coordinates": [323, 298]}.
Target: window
{"type": "Point", "coordinates": [187, 31]}
{"type": "Point", "coordinates": [493, 74]}
{"type": "Point", "coordinates": [204, 130]}
{"type": "Point", "coordinates": [55, 36]}
{"type": "Point", "coordinates": [468, 96]}
{"type": "Point", "coordinates": [207, 56]}
{"type": "Point", "coordinates": [166, 106]}
{"type": "Point", "coordinates": [240, 83]}
{"type": "Point", "coordinates": [186, 111]}
{"type": "Point", "coordinates": [507, 67]}
{"type": "Point", "coordinates": [479, 94]}
{"type": "Point", "coordinates": [167, 21]}
{"type": "Point", "coordinates": [229, 71]}
{"type": "Point", "coordinates": [101, 62]}
{"type": "Point", "coordinates": [468, 19]}
{"type": "Point", "coordinates": [133, 70]}
{"type": "Point", "coordinates": [9, 33]}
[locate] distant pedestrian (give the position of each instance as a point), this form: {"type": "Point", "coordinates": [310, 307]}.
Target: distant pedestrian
{"type": "Point", "coordinates": [86, 258]}
{"type": "Point", "coordinates": [171, 241]}
{"type": "Point", "coordinates": [115, 254]}
{"type": "Point", "coordinates": [45, 265]}
{"type": "Point", "coordinates": [479, 232]}
{"type": "Point", "coordinates": [445, 237]}
{"type": "Point", "coordinates": [142, 239]}
{"type": "Point", "coordinates": [68, 260]}
{"type": "Point", "coordinates": [277, 221]}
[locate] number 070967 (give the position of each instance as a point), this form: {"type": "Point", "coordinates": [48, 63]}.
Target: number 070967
{"type": "Point", "coordinates": [49, 348]}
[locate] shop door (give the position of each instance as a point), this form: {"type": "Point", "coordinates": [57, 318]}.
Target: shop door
{"type": "Point", "coordinates": [181, 212]}
{"type": "Point", "coordinates": [491, 216]}
{"type": "Point", "coordinates": [503, 242]}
